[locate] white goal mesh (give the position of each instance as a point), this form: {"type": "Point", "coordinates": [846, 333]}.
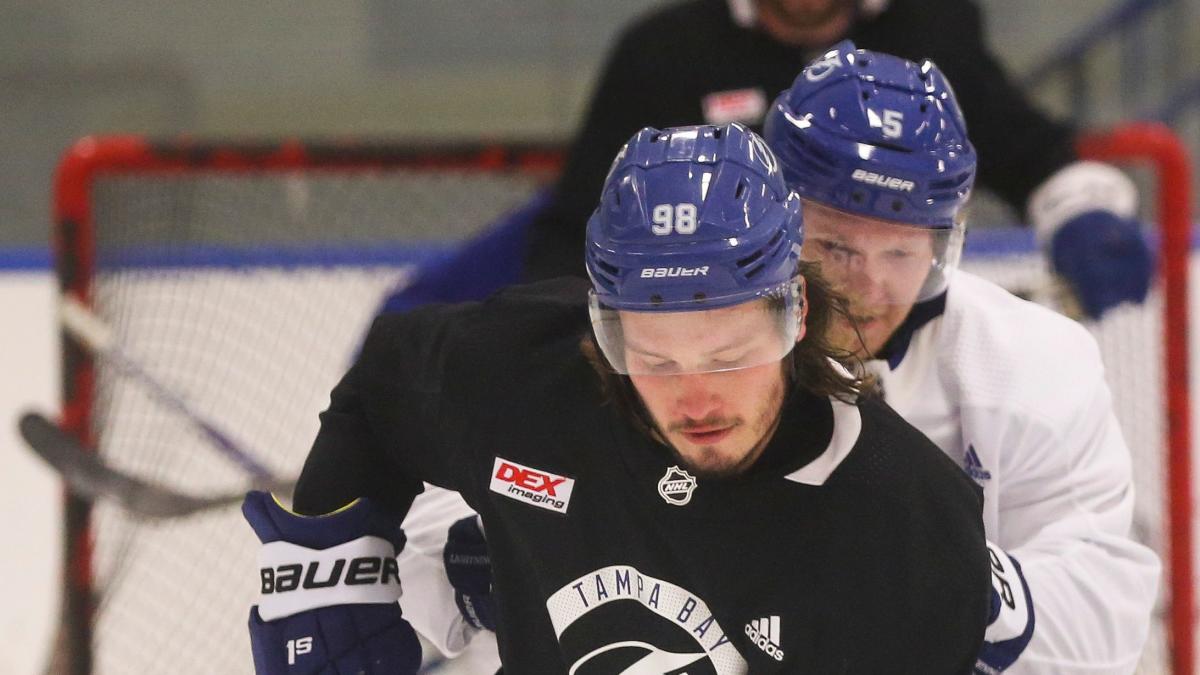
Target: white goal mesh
{"type": "Point", "coordinates": [246, 292]}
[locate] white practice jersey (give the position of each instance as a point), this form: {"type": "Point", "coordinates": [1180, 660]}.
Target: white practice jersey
{"type": "Point", "coordinates": [1016, 394]}
{"type": "Point", "coordinates": [428, 599]}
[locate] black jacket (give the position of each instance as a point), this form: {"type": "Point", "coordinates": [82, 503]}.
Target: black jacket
{"type": "Point", "coordinates": [664, 65]}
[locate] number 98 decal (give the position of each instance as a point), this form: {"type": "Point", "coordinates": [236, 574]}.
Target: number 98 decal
{"type": "Point", "coordinates": [677, 218]}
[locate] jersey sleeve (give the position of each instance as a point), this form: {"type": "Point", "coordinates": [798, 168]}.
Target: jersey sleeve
{"type": "Point", "coordinates": [429, 598]}
{"type": "Point", "coordinates": [384, 430]}
{"type": "Point", "coordinates": [1065, 506]}
{"type": "Point", "coordinates": [1065, 517]}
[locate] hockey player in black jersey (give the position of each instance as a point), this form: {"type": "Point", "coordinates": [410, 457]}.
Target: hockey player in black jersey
{"type": "Point", "coordinates": [673, 473]}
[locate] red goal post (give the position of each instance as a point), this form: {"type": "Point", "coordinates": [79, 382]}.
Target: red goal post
{"type": "Point", "coordinates": [77, 226]}
{"type": "Point", "coordinates": [1157, 146]}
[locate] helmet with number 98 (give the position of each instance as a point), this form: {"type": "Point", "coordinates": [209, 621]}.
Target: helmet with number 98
{"type": "Point", "coordinates": [694, 219]}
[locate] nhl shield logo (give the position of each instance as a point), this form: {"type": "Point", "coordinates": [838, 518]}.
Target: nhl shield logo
{"type": "Point", "coordinates": [676, 486]}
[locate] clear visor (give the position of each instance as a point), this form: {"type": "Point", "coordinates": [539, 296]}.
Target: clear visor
{"type": "Point", "coordinates": [687, 340]}
{"type": "Point", "coordinates": [878, 263]}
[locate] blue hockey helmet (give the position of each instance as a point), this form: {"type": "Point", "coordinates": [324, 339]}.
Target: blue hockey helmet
{"type": "Point", "coordinates": [874, 134]}
{"type": "Point", "coordinates": [693, 218]}
{"type": "Point", "coordinates": [882, 139]}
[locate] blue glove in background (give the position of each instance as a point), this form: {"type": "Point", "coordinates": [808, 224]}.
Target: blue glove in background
{"type": "Point", "coordinates": [1105, 258]}
{"type": "Point", "coordinates": [366, 639]}
{"type": "Point", "coordinates": [470, 572]}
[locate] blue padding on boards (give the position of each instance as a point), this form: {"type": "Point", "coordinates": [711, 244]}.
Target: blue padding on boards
{"type": "Point", "coordinates": [25, 258]}
{"type": "Point", "coordinates": [482, 266]}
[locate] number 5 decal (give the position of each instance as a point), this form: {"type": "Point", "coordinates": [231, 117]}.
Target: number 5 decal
{"type": "Point", "coordinates": [891, 123]}
{"type": "Point", "coordinates": [678, 218]}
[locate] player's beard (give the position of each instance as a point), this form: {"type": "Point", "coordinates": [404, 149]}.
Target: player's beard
{"type": "Point", "coordinates": [866, 329]}
{"type": "Point", "coordinates": [708, 461]}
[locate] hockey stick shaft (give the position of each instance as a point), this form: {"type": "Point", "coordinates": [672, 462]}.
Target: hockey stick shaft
{"type": "Point", "coordinates": [98, 338]}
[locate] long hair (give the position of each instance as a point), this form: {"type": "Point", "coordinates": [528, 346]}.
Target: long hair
{"type": "Point", "coordinates": [814, 366]}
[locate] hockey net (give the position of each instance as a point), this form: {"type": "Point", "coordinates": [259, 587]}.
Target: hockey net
{"type": "Point", "coordinates": [243, 277]}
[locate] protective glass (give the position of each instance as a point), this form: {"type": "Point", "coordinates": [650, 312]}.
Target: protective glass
{"type": "Point", "coordinates": [681, 339]}
{"type": "Point", "coordinates": [876, 262]}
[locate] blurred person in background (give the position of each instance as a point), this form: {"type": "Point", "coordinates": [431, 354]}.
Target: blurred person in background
{"type": "Point", "coordinates": [722, 61]}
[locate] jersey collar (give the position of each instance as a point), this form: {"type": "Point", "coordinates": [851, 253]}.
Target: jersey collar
{"type": "Point", "coordinates": [896, 347]}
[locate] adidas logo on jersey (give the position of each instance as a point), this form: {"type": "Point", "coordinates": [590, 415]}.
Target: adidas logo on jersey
{"type": "Point", "coordinates": [974, 467]}
{"type": "Point", "coordinates": [764, 633]}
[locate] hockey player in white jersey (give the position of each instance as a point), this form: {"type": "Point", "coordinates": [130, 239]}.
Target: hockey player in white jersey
{"type": "Point", "coordinates": [1012, 391]}
{"type": "Point", "coordinates": [1015, 393]}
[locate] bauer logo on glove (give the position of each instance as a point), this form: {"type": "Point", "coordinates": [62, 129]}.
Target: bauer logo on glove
{"type": "Point", "coordinates": [296, 577]}
{"type": "Point", "coordinates": [362, 571]}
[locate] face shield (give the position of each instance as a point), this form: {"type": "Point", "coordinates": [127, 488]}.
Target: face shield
{"type": "Point", "coordinates": [882, 268]}
{"type": "Point", "coordinates": [680, 338]}
{"type": "Point", "coordinates": [873, 261]}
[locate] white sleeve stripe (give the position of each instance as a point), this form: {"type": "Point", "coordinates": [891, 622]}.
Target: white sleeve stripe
{"type": "Point", "coordinates": [1009, 584]}
{"type": "Point", "coordinates": [847, 425]}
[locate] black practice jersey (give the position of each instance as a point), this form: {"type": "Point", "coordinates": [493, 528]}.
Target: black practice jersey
{"type": "Point", "coordinates": [669, 67]}
{"type": "Point", "coordinates": [853, 545]}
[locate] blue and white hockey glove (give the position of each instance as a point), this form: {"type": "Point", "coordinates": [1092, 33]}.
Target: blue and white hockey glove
{"type": "Point", "coordinates": [1084, 215]}
{"type": "Point", "coordinates": [329, 592]}
{"type": "Point", "coordinates": [1010, 626]}
{"type": "Point", "coordinates": [470, 572]}
{"type": "Point", "coordinates": [1105, 258]}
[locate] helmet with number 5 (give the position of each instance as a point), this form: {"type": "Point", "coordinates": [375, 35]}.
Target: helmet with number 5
{"type": "Point", "coordinates": [878, 150]}
{"type": "Point", "coordinates": [876, 135]}
{"type": "Point", "coordinates": [692, 218]}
